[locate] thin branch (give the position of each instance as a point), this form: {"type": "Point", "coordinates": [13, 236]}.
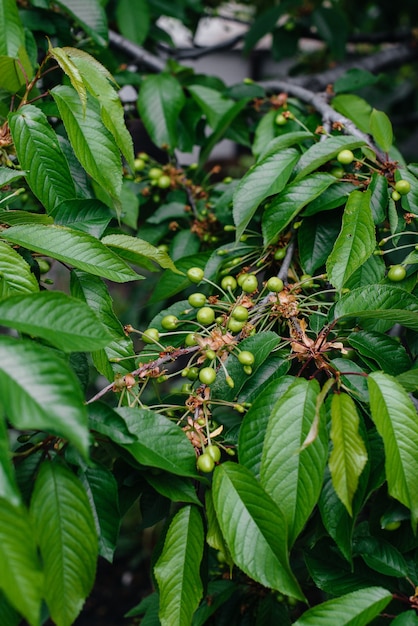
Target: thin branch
{"type": "Point", "coordinates": [196, 52]}
{"type": "Point", "coordinates": [317, 101]}
{"type": "Point", "coordinates": [389, 57]}
{"type": "Point", "coordinates": [137, 53]}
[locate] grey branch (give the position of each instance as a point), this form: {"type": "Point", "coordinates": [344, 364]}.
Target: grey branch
{"type": "Point", "coordinates": [137, 53]}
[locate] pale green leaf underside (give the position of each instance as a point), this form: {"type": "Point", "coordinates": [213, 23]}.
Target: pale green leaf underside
{"type": "Point", "coordinates": [15, 274]}
{"type": "Point", "coordinates": [349, 454]}
{"type": "Point", "coordinates": [396, 420]}
{"type": "Point", "coordinates": [66, 533]}
{"type": "Point", "coordinates": [73, 247]}
{"type": "Point", "coordinates": [254, 528]}
{"type": "Point", "coordinates": [65, 322]}
{"type": "Point", "coordinates": [20, 572]}
{"type": "Point", "coordinates": [39, 391]}
{"type": "Point", "coordinates": [177, 569]}
{"type": "Point", "coordinates": [140, 248]}
{"type": "Point", "coordinates": [87, 132]}
{"type": "Point", "coordinates": [353, 609]}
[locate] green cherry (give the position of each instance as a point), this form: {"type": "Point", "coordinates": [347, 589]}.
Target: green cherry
{"type": "Point", "coordinates": [345, 157]}
{"type": "Point", "coordinates": [207, 375]}
{"type": "Point", "coordinates": [197, 300]}
{"type": "Point", "coordinates": [195, 274]}
{"type": "Point", "coordinates": [240, 313]}
{"type": "Point", "coordinates": [275, 284]}
{"type": "Point", "coordinates": [228, 282]}
{"type": "Point", "coordinates": [214, 452]}
{"type": "Point", "coordinates": [245, 357]}
{"type": "Point", "coordinates": [205, 463]}
{"type": "Point", "coordinates": [396, 273]}
{"type": "Point", "coordinates": [205, 316]}
{"type": "Point", "coordinates": [249, 284]}
{"type": "Point", "coordinates": [169, 322]}
{"type": "Point", "coordinates": [403, 187]}
{"type": "Point", "coordinates": [151, 335]}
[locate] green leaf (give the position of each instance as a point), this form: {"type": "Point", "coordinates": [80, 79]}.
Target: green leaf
{"type": "Point", "coordinates": [291, 476]}
{"type": "Point", "coordinates": [71, 70]}
{"type": "Point", "coordinates": [65, 322]}
{"type": "Point", "coordinates": [332, 26]}
{"type": "Point", "coordinates": [267, 177]}
{"type": "Point", "coordinates": [212, 102]}
{"type": "Point", "coordinates": [102, 491]}
{"type": "Point", "coordinates": [396, 420]}
{"type": "Point", "coordinates": [383, 302]}
{"type": "Point", "coordinates": [322, 152]}
{"type": "Point", "coordinates": [381, 556]}
{"type": "Point", "coordinates": [15, 273]}
{"type": "Point", "coordinates": [220, 129]}
{"type": "Point", "coordinates": [8, 487]}
{"type": "Point", "coordinates": [379, 198]}
{"type": "Point", "coordinates": [175, 488]}
{"type": "Point", "coordinates": [254, 424]}
{"type": "Point", "coordinates": [138, 250]}
{"type": "Point", "coordinates": [73, 247]}
{"type": "Point", "coordinates": [353, 609]}
{"type": "Point", "coordinates": [160, 101]}
{"type": "Point", "coordinates": [338, 523]}
{"type": "Point", "coordinates": [39, 153]}
{"type": "Point", "coordinates": [177, 570]}
{"type": "Point", "coordinates": [263, 24]}
{"type": "Point", "coordinates": [244, 509]}
{"type": "Point", "coordinates": [409, 380]}
{"type": "Point", "coordinates": [284, 207]}
{"type": "Point", "coordinates": [11, 27]}
{"type": "Point", "coordinates": [349, 455]}
{"type": "Point", "coordinates": [316, 239]}
{"type": "Point", "coordinates": [67, 538]}
{"type": "Point", "coordinates": [105, 421]}
{"type": "Point", "coordinates": [406, 619]}
{"type": "Point", "coordinates": [381, 129]}
{"type": "Point", "coordinates": [371, 272]}
{"type": "Point", "coordinates": [20, 571]}
{"type": "Point", "coordinates": [101, 85]}
{"type": "Point", "coordinates": [8, 175]}
{"type": "Point", "coordinates": [133, 20]}
{"type": "Point", "coordinates": [214, 537]}
{"type": "Point", "coordinates": [356, 241]}
{"type": "Point", "coordinates": [90, 16]}
{"type": "Point", "coordinates": [86, 131]}
{"type": "Point", "coordinates": [40, 391]}
{"type": "Point", "coordinates": [14, 218]}
{"type": "Point", "coordinates": [355, 108]}
{"type": "Point", "coordinates": [8, 615]}
{"type": "Point", "coordinates": [354, 79]}
{"type": "Point", "coordinates": [94, 291]}
{"type": "Point", "coordinates": [283, 141]}
{"type": "Point", "coordinates": [389, 354]}
{"type": "Point", "coordinates": [261, 346]}
{"type": "Point", "coordinates": [89, 216]}
{"type": "Point", "coordinates": [11, 75]}
{"type": "Point", "coordinates": [160, 442]}
{"type": "Point", "coordinates": [170, 283]}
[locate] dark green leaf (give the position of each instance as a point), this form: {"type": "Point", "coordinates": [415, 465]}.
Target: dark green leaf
{"type": "Point", "coordinates": [133, 20]}
{"type": "Point", "coordinates": [356, 241]}
{"type": "Point", "coordinates": [324, 151]}
{"type": "Point", "coordinates": [40, 391]}
{"type": "Point", "coordinates": [105, 421]}
{"type": "Point", "coordinates": [316, 238]}
{"type": "Point", "coordinates": [90, 216]}
{"type": "Point", "coordinates": [73, 247]}
{"type": "Point", "coordinates": [396, 420]}
{"type": "Point", "coordinates": [291, 475]}
{"type": "Point", "coordinates": [333, 197]}
{"type": "Point", "coordinates": [175, 488]}
{"type": "Point", "coordinates": [353, 79]}
{"type": "Point", "coordinates": [65, 322]}
{"type": "Point", "coordinates": [160, 442]}
{"type": "Point", "coordinates": [383, 302]}
{"type": "Point", "coordinates": [282, 142]}
{"type": "Point", "coordinates": [14, 218]}
{"type": "Point", "coordinates": [11, 27]}
{"type": "Point", "coordinates": [355, 108]}
{"type": "Point", "coordinates": [177, 569]}
{"type": "Point", "coordinates": [381, 556]}
{"type": "Point", "coordinates": [8, 486]}
{"type": "Point", "coordinates": [160, 101]}
{"type": "Point", "coordinates": [332, 26]}
{"type": "Point", "coordinates": [220, 129]}
{"type": "Point", "coordinates": [338, 523]}
{"type": "Point", "coordinates": [284, 207]}
{"type": "Point", "coordinates": [67, 538]}
{"type": "Point", "coordinates": [254, 424]}
{"type": "Point", "coordinates": [8, 615]}
{"type": "Point", "coordinates": [8, 175]}
{"type": "Point", "coordinates": [102, 491]}
{"type": "Point", "coordinates": [39, 153]}
{"type": "Point", "coordinates": [354, 609]}
{"type": "Point", "coordinates": [371, 272]}
{"type": "Point", "coordinates": [409, 618]}
{"type": "Point", "coordinates": [267, 177]}
{"type": "Point", "coordinates": [389, 354]}
{"type": "Point", "coordinates": [379, 198]}
{"type": "Point", "coordinates": [170, 283]}
{"type": "Point", "coordinates": [242, 506]}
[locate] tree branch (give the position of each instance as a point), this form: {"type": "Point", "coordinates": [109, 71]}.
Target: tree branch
{"type": "Point", "coordinates": [137, 53]}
